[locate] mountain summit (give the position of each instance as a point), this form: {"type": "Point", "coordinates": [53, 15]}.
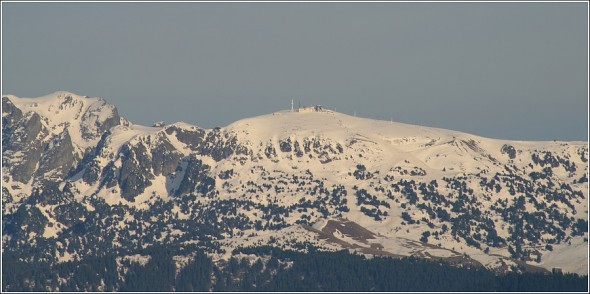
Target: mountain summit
{"type": "Point", "coordinates": [78, 180]}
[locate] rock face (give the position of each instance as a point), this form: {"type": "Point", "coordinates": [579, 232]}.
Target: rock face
{"type": "Point", "coordinates": [96, 123]}
{"type": "Point", "coordinates": [134, 175]}
{"type": "Point", "coordinates": [58, 158]}
{"type": "Point", "coordinates": [165, 157]}
{"type": "Point", "coordinates": [195, 178]}
{"type": "Point", "coordinates": [23, 147]}
{"type": "Point", "coordinates": [80, 180]}
{"type": "Point", "coordinates": [10, 116]}
{"type": "Point", "coordinates": [37, 134]}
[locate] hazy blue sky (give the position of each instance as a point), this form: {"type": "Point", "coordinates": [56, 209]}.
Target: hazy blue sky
{"type": "Point", "coordinates": [501, 70]}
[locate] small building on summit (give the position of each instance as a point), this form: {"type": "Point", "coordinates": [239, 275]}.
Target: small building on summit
{"type": "Point", "coordinates": [313, 108]}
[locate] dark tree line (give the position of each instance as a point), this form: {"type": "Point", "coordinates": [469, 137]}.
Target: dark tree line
{"type": "Point", "coordinates": [276, 270]}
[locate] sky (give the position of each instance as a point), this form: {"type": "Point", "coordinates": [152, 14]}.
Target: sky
{"type": "Point", "coordinates": [515, 71]}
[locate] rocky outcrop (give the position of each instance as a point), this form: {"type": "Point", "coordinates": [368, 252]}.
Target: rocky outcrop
{"type": "Point", "coordinates": [10, 116]}
{"type": "Point", "coordinates": [217, 144]}
{"type": "Point", "coordinates": [95, 124]}
{"type": "Point", "coordinates": [89, 166]}
{"type": "Point", "coordinates": [165, 157]}
{"type": "Point", "coordinates": [24, 146]}
{"type": "Point", "coordinates": [58, 158]}
{"type": "Point", "coordinates": [193, 139]}
{"type": "Point", "coordinates": [135, 174]}
{"type": "Point", "coordinates": [195, 178]}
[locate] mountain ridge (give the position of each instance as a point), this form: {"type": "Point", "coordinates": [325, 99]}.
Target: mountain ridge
{"type": "Point", "coordinates": [422, 191]}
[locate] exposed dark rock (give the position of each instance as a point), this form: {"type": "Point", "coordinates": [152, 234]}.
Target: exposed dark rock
{"type": "Point", "coordinates": [58, 158]}
{"type": "Point", "coordinates": [25, 147]}
{"type": "Point", "coordinates": [217, 146]}
{"type": "Point", "coordinates": [89, 165]}
{"type": "Point", "coordinates": [196, 178]}
{"type": "Point", "coordinates": [91, 173]}
{"type": "Point", "coordinates": [109, 176]}
{"type": "Point", "coordinates": [192, 138]}
{"type": "Point", "coordinates": [10, 116]}
{"type": "Point", "coordinates": [165, 157]}
{"type": "Point", "coordinates": [135, 173]}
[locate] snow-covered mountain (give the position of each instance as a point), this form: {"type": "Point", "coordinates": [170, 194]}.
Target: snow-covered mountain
{"type": "Point", "coordinates": [79, 179]}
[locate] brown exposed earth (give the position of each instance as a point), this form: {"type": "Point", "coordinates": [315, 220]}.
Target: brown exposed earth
{"type": "Point", "coordinates": [358, 233]}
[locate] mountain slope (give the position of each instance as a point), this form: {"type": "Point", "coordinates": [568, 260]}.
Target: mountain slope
{"type": "Point", "coordinates": [79, 179]}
